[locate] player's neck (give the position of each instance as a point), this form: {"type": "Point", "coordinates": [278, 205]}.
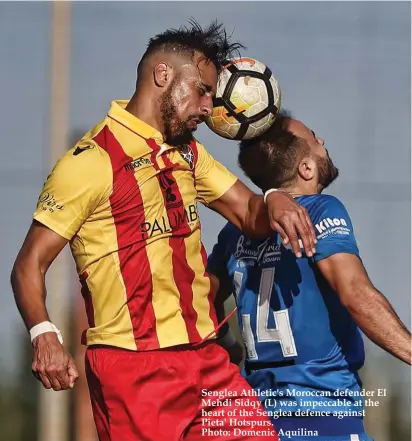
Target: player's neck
{"type": "Point", "coordinates": [301, 189]}
{"type": "Point", "coordinates": [145, 107]}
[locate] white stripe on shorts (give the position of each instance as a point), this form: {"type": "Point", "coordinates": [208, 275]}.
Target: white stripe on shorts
{"type": "Point", "coordinates": [354, 438]}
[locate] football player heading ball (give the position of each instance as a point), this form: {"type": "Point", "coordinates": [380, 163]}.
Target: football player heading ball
{"type": "Point", "coordinates": [300, 318]}
{"type": "Point", "coordinates": [126, 201]}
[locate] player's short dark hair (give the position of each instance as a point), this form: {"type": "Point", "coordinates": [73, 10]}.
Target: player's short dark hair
{"type": "Point", "coordinates": [271, 160]}
{"type": "Point", "coordinates": [211, 41]}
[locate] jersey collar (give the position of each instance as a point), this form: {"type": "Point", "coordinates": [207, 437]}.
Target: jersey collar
{"type": "Point", "coordinates": [118, 113]}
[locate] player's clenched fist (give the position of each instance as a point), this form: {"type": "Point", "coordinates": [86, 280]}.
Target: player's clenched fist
{"type": "Point", "coordinates": [52, 364]}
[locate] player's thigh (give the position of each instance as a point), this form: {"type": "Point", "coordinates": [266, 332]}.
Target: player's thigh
{"type": "Point", "coordinates": [99, 407]}
{"type": "Point", "coordinates": [140, 396]}
{"type": "Point", "coordinates": [230, 409]}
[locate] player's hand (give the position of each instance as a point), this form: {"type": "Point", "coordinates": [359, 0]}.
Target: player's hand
{"type": "Point", "coordinates": [52, 364]}
{"type": "Point", "coordinates": [292, 222]}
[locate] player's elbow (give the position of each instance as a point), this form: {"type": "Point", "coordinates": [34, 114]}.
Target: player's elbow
{"type": "Point", "coordinates": [24, 268]}
{"type": "Point", "coordinates": [17, 274]}
{"type": "Point", "coordinates": [359, 298]}
{"type": "Point", "coordinates": [255, 222]}
{"type": "Point", "coordinates": [349, 297]}
{"type": "Point", "coordinates": [18, 271]}
{"type": "Point", "coordinates": [256, 228]}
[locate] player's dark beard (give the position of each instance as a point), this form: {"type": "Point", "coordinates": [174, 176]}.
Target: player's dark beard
{"type": "Point", "coordinates": [327, 171]}
{"type": "Point", "coordinates": [176, 131]}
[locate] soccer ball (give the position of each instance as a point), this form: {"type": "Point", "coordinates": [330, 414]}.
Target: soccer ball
{"type": "Point", "coordinates": [247, 100]}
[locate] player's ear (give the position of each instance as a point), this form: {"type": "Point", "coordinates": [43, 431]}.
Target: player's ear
{"type": "Point", "coordinates": [162, 74]}
{"type": "Point", "coordinates": [307, 168]}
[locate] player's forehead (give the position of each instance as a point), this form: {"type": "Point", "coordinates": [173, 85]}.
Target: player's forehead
{"type": "Point", "coordinates": [201, 69]}
{"type": "Point", "coordinates": [299, 129]}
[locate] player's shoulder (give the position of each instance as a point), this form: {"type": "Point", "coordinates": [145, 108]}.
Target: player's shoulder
{"type": "Point", "coordinates": [325, 209]}
{"type": "Point", "coordinates": [88, 143]}
{"type": "Point", "coordinates": [199, 149]}
{"type": "Point", "coordinates": [85, 160]}
{"type": "Point", "coordinates": [197, 143]}
{"type": "Point", "coordinates": [85, 150]}
{"type": "Point", "coordinates": [321, 202]}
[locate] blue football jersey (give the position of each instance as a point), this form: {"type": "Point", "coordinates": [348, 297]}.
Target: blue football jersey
{"type": "Point", "coordinates": [290, 316]}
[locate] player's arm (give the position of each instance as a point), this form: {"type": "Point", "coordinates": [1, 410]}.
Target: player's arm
{"type": "Point", "coordinates": [70, 194]}
{"type": "Point", "coordinates": [252, 216]}
{"type": "Point", "coordinates": [368, 307]}
{"type": "Point", "coordinates": [223, 192]}
{"type": "Point", "coordinates": [337, 257]}
{"type": "Point", "coordinates": [39, 249]}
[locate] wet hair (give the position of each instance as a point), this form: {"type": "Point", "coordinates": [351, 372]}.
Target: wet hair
{"type": "Point", "coordinates": [272, 159]}
{"type": "Point", "coordinates": [212, 42]}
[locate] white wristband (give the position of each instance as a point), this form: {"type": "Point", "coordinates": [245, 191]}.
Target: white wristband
{"type": "Point", "coordinates": [267, 193]}
{"type": "Point", "coordinates": [43, 327]}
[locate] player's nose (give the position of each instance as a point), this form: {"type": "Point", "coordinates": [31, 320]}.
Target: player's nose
{"type": "Point", "coordinates": [206, 107]}
{"type": "Point", "coordinates": [320, 141]}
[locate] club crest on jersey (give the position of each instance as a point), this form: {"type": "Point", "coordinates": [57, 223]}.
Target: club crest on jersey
{"type": "Point", "coordinates": [187, 154]}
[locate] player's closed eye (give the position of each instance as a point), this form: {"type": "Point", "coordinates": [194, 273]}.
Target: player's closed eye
{"type": "Point", "coordinates": [202, 90]}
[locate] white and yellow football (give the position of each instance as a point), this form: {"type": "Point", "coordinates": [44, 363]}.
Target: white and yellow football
{"type": "Point", "coordinates": [247, 100]}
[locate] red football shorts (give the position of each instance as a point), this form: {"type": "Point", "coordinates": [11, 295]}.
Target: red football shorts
{"type": "Point", "coordinates": [190, 394]}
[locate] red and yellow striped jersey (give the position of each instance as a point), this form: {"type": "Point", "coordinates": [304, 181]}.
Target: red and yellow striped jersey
{"type": "Point", "coordinates": [127, 202]}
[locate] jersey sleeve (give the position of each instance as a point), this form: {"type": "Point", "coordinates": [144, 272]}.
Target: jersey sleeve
{"type": "Point", "coordinates": [334, 229]}
{"type": "Point", "coordinates": [73, 190]}
{"type": "Point", "coordinates": [213, 180]}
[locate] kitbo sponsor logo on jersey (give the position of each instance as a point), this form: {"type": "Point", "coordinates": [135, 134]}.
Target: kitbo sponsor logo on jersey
{"type": "Point", "coordinates": [334, 225]}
